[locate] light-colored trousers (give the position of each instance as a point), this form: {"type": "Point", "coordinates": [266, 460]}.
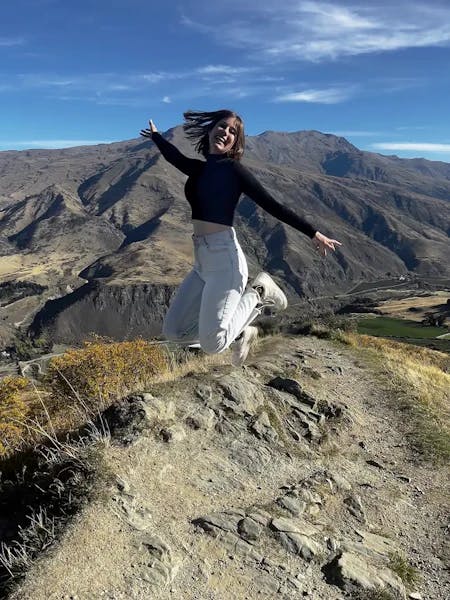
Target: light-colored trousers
{"type": "Point", "coordinates": [211, 307]}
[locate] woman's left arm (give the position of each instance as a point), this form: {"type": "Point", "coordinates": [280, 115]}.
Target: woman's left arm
{"type": "Point", "coordinates": [254, 190]}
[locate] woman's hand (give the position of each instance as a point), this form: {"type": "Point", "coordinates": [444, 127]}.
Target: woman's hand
{"type": "Point", "coordinates": [321, 242]}
{"type": "Point", "coordinates": [148, 132]}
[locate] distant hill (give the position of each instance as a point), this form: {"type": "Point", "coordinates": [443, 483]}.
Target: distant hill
{"type": "Point", "coordinates": [116, 214]}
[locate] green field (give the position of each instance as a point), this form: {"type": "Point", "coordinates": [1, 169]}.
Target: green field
{"type": "Point", "coordinates": [399, 328]}
{"type": "Point", "coordinates": [405, 331]}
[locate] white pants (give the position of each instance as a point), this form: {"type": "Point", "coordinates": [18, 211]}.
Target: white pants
{"type": "Point", "coordinates": [211, 307]}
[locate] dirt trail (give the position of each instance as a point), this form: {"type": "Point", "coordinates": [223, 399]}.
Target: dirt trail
{"type": "Point", "coordinates": [239, 490]}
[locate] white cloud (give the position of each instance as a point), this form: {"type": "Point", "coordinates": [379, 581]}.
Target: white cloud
{"type": "Point", "coordinates": [51, 144]}
{"type": "Point", "coordinates": [326, 96]}
{"type": "Point", "coordinates": [223, 70]}
{"type": "Point", "coordinates": [413, 146]}
{"type": "Point", "coordinates": [356, 133]}
{"type": "Point", "coordinates": [132, 89]}
{"type": "Point", "coordinates": [316, 30]}
{"type": "Point", "coordinates": [16, 41]}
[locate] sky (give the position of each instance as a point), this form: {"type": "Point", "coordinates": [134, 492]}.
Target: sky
{"type": "Point", "coordinates": [94, 71]}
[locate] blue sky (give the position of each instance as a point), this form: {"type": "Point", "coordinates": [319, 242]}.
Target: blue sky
{"type": "Point", "coordinates": [94, 71]}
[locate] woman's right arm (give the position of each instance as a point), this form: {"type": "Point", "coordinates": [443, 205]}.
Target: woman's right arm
{"type": "Point", "coordinates": [169, 151]}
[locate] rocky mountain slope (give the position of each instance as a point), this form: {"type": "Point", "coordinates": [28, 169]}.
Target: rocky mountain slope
{"type": "Point", "coordinates": [246, 484]}
{"type": "Point", "coordinates": [116, 214]}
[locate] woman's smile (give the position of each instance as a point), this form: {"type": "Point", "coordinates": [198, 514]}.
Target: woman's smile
{"type": "Point", "coordinates": [222, 136]}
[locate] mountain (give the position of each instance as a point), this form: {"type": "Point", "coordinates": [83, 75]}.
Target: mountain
{"type": "Point", "coordinates": [115, 214]}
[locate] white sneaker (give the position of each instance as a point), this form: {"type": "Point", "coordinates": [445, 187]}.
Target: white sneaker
{"type": "Point", "coordinates": [243, 344]}
{"type": "Point", "coordinates": [271, 293]}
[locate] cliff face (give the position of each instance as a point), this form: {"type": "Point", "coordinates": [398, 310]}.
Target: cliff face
{"type": "Point", "coordinates": [119, 312]}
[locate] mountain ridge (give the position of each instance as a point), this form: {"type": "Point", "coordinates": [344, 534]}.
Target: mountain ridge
{"type": "Point", "coordinates": [116, 213]}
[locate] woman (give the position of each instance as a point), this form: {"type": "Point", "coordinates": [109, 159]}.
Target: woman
{"type": "Point", "coordinates": [212, 305]}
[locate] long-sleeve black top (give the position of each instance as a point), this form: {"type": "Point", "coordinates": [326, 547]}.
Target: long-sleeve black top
{"type": "Point", "coordinates": [214, 186]}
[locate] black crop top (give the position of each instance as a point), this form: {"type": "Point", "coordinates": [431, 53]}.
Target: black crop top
{"type": "Point", "coordinates": [214, 187]}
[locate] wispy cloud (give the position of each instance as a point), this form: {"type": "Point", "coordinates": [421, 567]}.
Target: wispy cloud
{"type": "Point", "coordinates": [357, 133]}
{"type": "Point", "coordinates": [223, 70]}
{"type": "Point", "coordinates": [326, 96]}
{"type": "Point", "coordinates": [14, 41]}
{"type": "Point", "coordinates": [121, 89]}
{"type": "Point", "coordinates": [166, 100]}
{"type": "Point", "coordinates": [413, 146]}
{"type": "Point", "coordinates": [317, 31]}
{"type": "Point", "coordinates": [50, 144]}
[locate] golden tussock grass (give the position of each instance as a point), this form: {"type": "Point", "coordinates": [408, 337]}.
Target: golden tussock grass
{"type": "Point", "coordinates": [100, 373]}
{"type": "Point", "coordinates": [83, 382]}
{"type": "Point", "coordinates": [420, 379]}
{"type": "Point", "coordinates": [13, 410]}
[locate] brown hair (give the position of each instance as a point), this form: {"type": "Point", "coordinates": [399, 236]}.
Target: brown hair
{"type": "Point", "coordinates": [198, 125]}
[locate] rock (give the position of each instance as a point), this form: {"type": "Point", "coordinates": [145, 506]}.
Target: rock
{"type": "Point", "coordinates": [260, 516]}
{"type": "Point", "coordinates": [127, 419]}
{"type": "Point", "coordinates": [241, 396]}
{"type": "Point", "coordinates": [375, 463]}
{"type": "Point", "coordinates": [263, 429]}
{"type": "Point", "coordinates": [226, 521]}
{"type": "Point", "coordinates": [293, 526]}
{"type": "Point", "coordinates": [355, 507]}
{"type": "Point", "coordinates": [174, 433]}
{"type": "Point", "coordinates": [249, 529]}
{"type": "Point", "coordinates": [341, 483]}
{"type": "Point", "coordinates": [311, 372]}
{"type": "Point", "coordinates": [415, 596]}
{"type": "Point", "coordinates": [205, 393]}
{"type": "Point", "coordinates": [373, 544]}
{"type": "Point", "coordinates": [204, 419]}
{"type": "Point", "coordinates": [292, 504]}
{"type": "Point", "coordinates": [351, 571]}
{"type": "Point", "coordinates": [163, 567]}
{"type": "Point", "coordinates": [301, 545]}
{"type": "Point", "coordinates": [247, 550]}
{"type": "Point", "coordinates": [159, 409]}
{"type": "Point", "coordinates": [283, 524]}
{"type": "Point", "coordinates": [291, 386]}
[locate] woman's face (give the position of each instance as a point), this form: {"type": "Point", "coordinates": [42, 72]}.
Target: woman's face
{"type": "Point", "coordinates": [222, 136]}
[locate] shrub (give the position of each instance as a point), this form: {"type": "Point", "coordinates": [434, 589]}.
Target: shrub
{"type": "Point", "coordinates": [13, 408]}
{"type": "Point", "coordinates": [105, 371]}
{"type": "Point", "coordinates": [407, 573]}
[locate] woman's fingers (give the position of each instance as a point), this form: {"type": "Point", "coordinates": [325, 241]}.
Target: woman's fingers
{"type": "Point", "coordinates": [323, 243]}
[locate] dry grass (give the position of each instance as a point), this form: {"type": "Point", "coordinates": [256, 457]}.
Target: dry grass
{"type": "Point", "coordinates": [400, 565]}
{"type": "Point", "coordinates": [107, 370]}
{"type": "Point", "coordinates": [420, 379]}
{"type": "Point", "coordinates": [399, 307]}
{"type": "Point", "coordinates": [82, 383]}
{"type": "Point", "coordinates": [13, 410]}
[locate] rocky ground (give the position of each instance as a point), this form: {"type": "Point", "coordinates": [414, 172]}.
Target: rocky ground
{"type": "Point", "coordinates": [290, 478]}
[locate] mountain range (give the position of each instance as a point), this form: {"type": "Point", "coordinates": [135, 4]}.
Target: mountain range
{"type": "Point", "coordinates": [95, 238]}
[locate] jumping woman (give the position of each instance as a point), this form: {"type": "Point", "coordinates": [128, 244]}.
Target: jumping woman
{"type": "Point", "coordinates": [212, 305]}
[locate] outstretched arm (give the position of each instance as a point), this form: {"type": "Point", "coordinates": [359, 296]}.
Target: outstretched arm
{"type": "Point", "coordinates": [254, 190]}
{"type": "Point", "coordinates": [169, 151]}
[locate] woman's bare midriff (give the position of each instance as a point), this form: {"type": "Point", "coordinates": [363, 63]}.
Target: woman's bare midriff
{"type": "Point", "coordinates": [205, 227]}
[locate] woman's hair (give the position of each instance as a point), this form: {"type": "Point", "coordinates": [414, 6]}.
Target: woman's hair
{"type": "Point", "coordinates": [198, 125]}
